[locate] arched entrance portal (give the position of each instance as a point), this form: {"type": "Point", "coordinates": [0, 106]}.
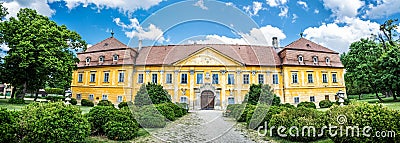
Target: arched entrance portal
{"type": "Point", "coordinates": [207, 100]}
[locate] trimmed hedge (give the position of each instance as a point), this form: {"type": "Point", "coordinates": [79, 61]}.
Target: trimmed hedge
{"type": "Point", "coordinates": [73, 101]}
{"type": "Point", "coordinates": [8, 125]}
{"type": "Point", "coordinates": [299, 118]}
{"type": "Point", "coordinates": [85, 102]}
{"type": "Point", "coordinates": [149, 117]}
{"type": "Point", "coordinates": [307, 104]}
{"type": "Point", "coordinates": [288, 105]}
{"type": "Point", "coordinates": [122, 105]}
{"type": "Point", "coordinates": [325, 104]}
{"type": "Point", "coordinates": [57, 91]}
{"type": "Point", "coordinates": [98, 116]}
{"type": "Point", "coordinates": [16, 101]}
{"type": "Point", "coordinates": [105, 103]}
{"type": "Point", "coordinates": [122, 127]}
{"type": "Point", "coordinates": [52, 122]}
{"type": "Point", "coordinates": [55, 98]}
{"type": "Point", "coordinates": [166, 110]}
{"type": "Point", "coordinates": [377, 117]}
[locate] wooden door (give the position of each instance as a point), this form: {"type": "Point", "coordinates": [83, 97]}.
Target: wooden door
{"type": "Point", "coordinates": [207, 100]}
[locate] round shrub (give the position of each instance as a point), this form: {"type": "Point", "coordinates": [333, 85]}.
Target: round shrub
{"type": "Point", "coordinates": [166, 111]}
{"type": "Point", "coordinates": [307, 104]}
{"type": "Point", "coordinates": [122, 105]}
{"type": "Point", "coordinates": [257, 116]}
{"type": "Point", "coordinates": [364, 115]}
{"type": "Point", "coordinates": [73, 101]}
{"type": "Point", "coordinates": [295, 120]}
{"type": "Point", "coordinates": [149, 117]}
{"type": "Point", "coordinates": [8, 125]}
{"type": "Point", "coordinates": [99, 116]}
{"type": "Point", "coordinates": [105, 103]}
{"type": "Point", "coordinates": [346, 102]}
{"type": "Point", "coordinates": [184, 107]}
{"type": "Point", "coordinates": [121, 130]}
{"type": "Point", "coordinates": [53, 122]}
{"type": "Point", "coordinates": [85, 102]}
{"type": "Point", "coordinates": [16, 101]}
{"type": "Point", "coordinates": [325, 104]}
{"type": "Point", "coordinates": [177, 109]}
{"type": "Point", "coordinates": [288, 105]}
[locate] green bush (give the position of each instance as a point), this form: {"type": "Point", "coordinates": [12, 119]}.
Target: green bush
{"type": "Point", "coordinates": [73, 101]}
{"type": "Point", "coordinates": [57, 91]}
{"type": "Point", "coordinates": [122, 105]}
{"type": "Point", "coordinates": [8, 125]}
{"type": "Point", "coordinates": [307, 104]}
{"type": "Point", "coordinates": [242, 117]}
{"type": "Point", "coordinates": [300, 118]}
{"type": "Point", "coordinates": [85, 102]}
{"type": "Point", "coordinates": [149, 117]}
{"type": "Point", "coordinates": [122, 127]}
{"type": "Point", "coordinates": [16, 101]}
{"type": "Point", "coordinates": [179, 111]}
{"type": "Point", "coordinates": [105, 103]}
{"type": "Point", "coordinates": [166, 110]}
{"type": "Point", "coordinates": [235, 110]}
{"type": "Point", "coordinates": [364, 115]}
{"type": "Point", "coordinates": [184, 107]}
{"type": "Point", "coordinates": [98, 116]}
{"type": "Point", "coordinates": [151, 93]}
{"type": "Point", "coordinates": [346, 102]}
{"type": "Point", "coordinates": [257, 116]}
{"type": "Point", "coordinates": [52, 122]}
{"type": "Point", "coordinates": [325, 104]}
{"type": "Point", "coordinates": [55, 98]}
{"type": "Point", "coordinates": [288, 105]}
{"type": "Point", "coordinates": [261, 93]}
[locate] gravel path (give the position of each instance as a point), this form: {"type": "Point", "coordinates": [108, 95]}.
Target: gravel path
{"type": "Point", "coordinates": [199, 126]}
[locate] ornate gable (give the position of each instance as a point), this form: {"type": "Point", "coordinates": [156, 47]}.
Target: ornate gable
{"type": "Point", "coordinates": [207, 56]}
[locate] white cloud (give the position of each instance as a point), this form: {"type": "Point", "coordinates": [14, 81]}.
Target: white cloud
{"type": "Point", "coordinates": [338, 37]}
{"type": "Point", "coordinates": [284, 11]}
{"type": "Point", "coordinates": [134, 29]}
{"type": "Point", "coordinates": [124, 6]}
{"type": "Point", "coordinates": [342, 9]}
{"type": "Point", "coordinates": [316, 11]}
{"type": "Point", "coordinates": [275, 3]}
{"type": "Point", "coordinates": [257, 36]}
{"type": "Point", "coordinates": [229, 4]}
{"type": "Point", "coordinates": [384, 8]}
{"type": "Point", "coordinates": [303, 4]}
{"type": "Point", "coordinates": [253, 10]}
{"type": "Point", "coordinates": [200, 4]}
{"type": "Point", "coordinates": [41, 6]}
{"type": "Point", "coordinates": [294, 18]}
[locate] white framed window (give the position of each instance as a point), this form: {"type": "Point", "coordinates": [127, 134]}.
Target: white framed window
{"type": "Point", "coordinates": [324, 78]}
{"type": "Point", "coordinates": [87, 60]}
{"type": "Point", "coordinates": [169, 78]}
{"type": "Point", "coordinates": [300, 58]}
{"type": "Point", "coordinates": [231, 79]}
{"type": "Point", "coordinates": [215, 79]}
{"type": "Point", "coordinates": [294, 77]}
{"type": "Point", "coordinates": [101, 59]}
{"type": "Point", "coordinates": [334, 78]}
{"type": "Point", "coordinates": [184, 78]}
{"type": "Point", "coordinates": [140, 78]}
{"type": "Point", "coordinates": [78, 96]}
{"type": "Point", "coordinates": [80, 77]}
{"type": "Point", "coordinates": [120, 98]}
{"type": "Point", "coordinates": [154, 78]}
{"type": "Point", "coordinates": [121, 76]}
{"type": "Point", "coordinates": [231, 100]}
{"type": "Point", "coordinates": [106, 76]}
{"type": "Point", "coordinates": [91, 97]}
{"type": "Point", "coordinates": [275, 79]}
{"type": "Point", "coordinates": [92, 77]}
{"type": "Point", "coordinates": [199, 78]}
{"type": "Point", "coordinates": [246, 78]}
{"type": "Point", "coordinates": [104, 97]}
{"type": "Point", "coordinates": [310, 78]}
{"type": "Point", "coordinates": [115, 58]}
{"type": "Point", "coordinates": [260, 78]}
{"type": "Point", "coordinates": [312, 98]}
{"type": "Point", "coordinates": [327, 60]}
{"type": "Point", "coordinates": [315, 59]}
{"type": "Point", "coordinates": [183, 99]}
{"type": "Point", "coordinates": [296, 100]}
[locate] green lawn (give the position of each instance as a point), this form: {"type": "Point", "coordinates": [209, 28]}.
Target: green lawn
{"type": "Point", "coordinates": [3, 103]}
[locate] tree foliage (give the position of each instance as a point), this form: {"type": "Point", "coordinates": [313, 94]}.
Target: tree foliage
{"type": "Point", "coordinates": [261, 93]}
{"type": "Point", "coordinates": [151, 93]}
{"type": "Point", "coordinates": [40, 52]}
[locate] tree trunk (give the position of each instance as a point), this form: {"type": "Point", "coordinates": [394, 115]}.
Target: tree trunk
{"type": "Point", "coordinates": [359, 96]}
{"type": "Point", "coordinates": [23, 91]}
{"type": "Point", "coordinates": [377, 95]}
{"type": "Point", "coordinates": [36, 95]}
{"type": "Point", "coordinates": [14, 89]}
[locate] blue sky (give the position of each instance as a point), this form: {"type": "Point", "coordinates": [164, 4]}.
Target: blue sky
{"type": "Point", "coordinates": [332, 23]}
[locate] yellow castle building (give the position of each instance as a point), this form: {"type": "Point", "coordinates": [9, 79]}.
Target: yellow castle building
{"type": "Point", "coordinates": [209, 76]}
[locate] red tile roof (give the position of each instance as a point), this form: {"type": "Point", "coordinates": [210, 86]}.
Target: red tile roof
{"type": "Point", "coordinates": [107, 44]}
{"type": "Point", "coordinates": [307, 45]}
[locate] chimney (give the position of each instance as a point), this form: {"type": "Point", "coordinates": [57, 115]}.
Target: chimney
{"type": "Point", "coordinates": [275, 43]}
{"type": "Point", "coordinates": [140, 45]}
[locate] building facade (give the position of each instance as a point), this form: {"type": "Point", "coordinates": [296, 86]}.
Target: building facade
{"type": "Point", "coordinates": [209, 76]}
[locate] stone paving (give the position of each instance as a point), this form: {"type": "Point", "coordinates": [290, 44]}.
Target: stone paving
{"type": "Point", "coordinates": [200, 126]}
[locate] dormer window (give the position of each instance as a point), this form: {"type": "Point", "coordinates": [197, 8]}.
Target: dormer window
{"type": "Point", "coordinates": [87, 60]}
{"type": "Point", "coordinates": [300, 58]}
{"type": "Point", "coordinates": [315, 59]}
{"type": "Point", "coordinates": [327, 60]}
{"type": "Point", "coordinates": [115, 58]}
{"type": "Point", "coordinates": [101, 59]}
